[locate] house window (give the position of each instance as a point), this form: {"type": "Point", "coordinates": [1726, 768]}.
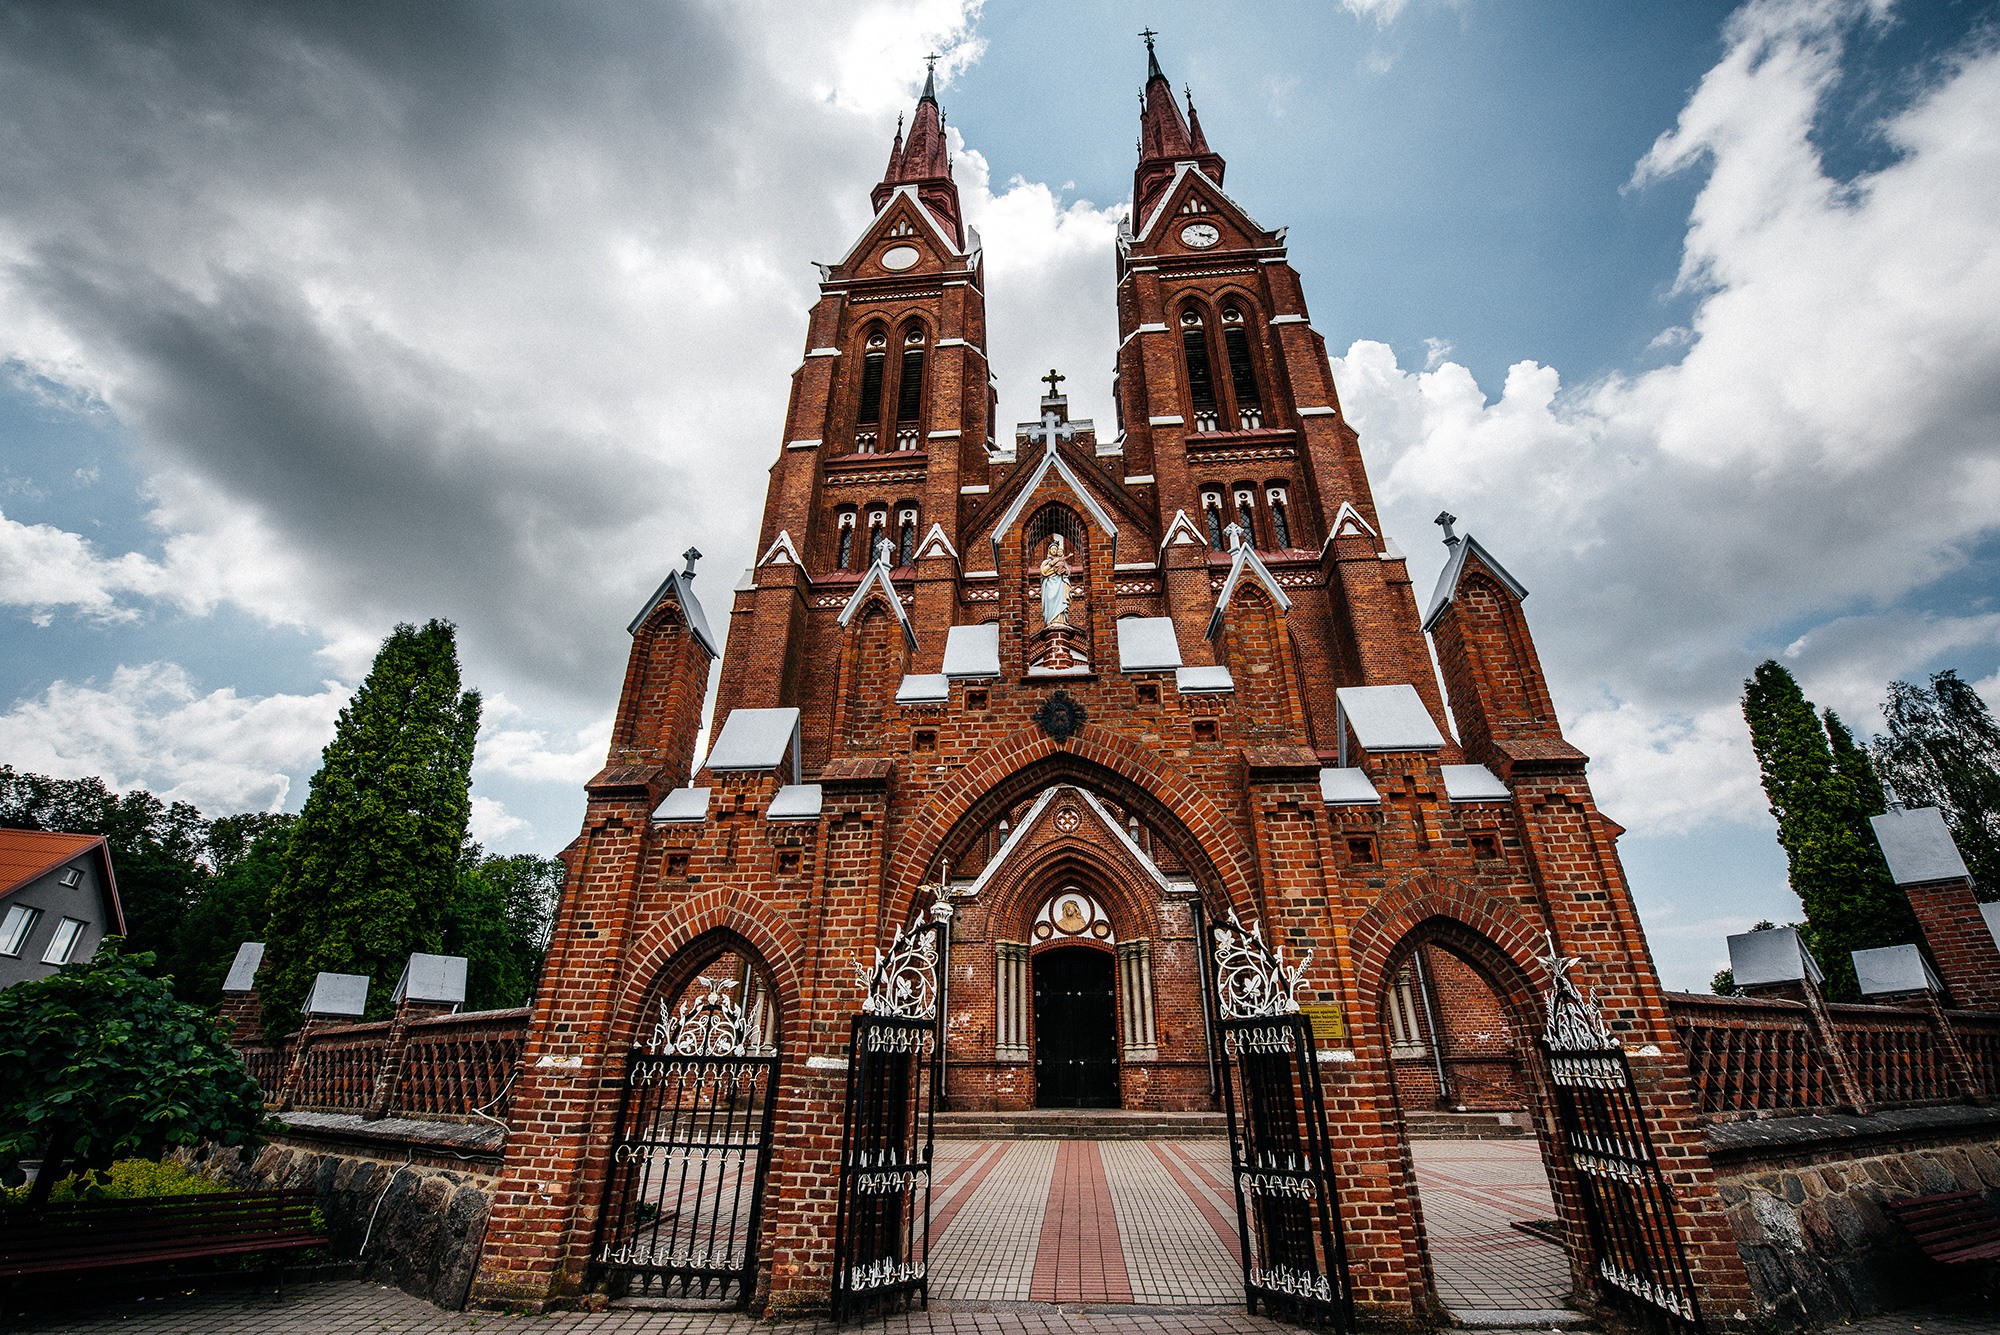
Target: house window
{"type": "Point", "coordinates": [14, 929]}
{"type": "Point", "coordinates": [63, 944]}
{"type": "Point", "coordinates": [1242, 374]}
{"type": "Point", "coordinates": [1201, 377]}
{"type": "Point", "coordinates": [1281, 530]}
{"type": "Point", "coordinates": [72, 876]}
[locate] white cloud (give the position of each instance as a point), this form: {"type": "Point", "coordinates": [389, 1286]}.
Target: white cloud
{"type": "Point", "coordinates": [1382, 12]}
{"type": "Point", "coordinates": [1823, 450]}
{"type": "Point", "coordinates": [150, 727]}
{"type": "Point", "coordinates": [529, 753]}
{"type": "Point", "coordinates": [491, 821]}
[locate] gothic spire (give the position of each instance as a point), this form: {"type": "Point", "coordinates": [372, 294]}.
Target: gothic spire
{"type": "Point", "coordinates": [923, 159]}
{"type": "Point", "coordinates": [1165, 139]}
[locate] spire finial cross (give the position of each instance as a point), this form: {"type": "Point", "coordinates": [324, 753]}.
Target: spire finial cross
{"type": "Point", "coordinates": [930, 63]}
{"type": "Point", "coordinates": [1149, 35]}
{"type": "Point", "coordinates": [1053, 380]}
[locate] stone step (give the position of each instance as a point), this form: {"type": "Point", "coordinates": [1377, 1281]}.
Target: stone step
{"type": "Point", "coordinates": [1468, 1125]}
{"type": "Point", "coordinates": [1521, 1318]}
{"type": "Point", "coordinates": [1080, 1124]}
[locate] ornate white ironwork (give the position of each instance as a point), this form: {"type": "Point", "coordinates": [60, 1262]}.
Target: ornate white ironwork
{"type": "Point", "coordinates": [903, 982]}
{"type": "Point", "coordinates": [1251, 978]}
{"type": "Point", "coordinates": [1575, 1024]}
{"type": "Point", "coordinates": [709, 1024]}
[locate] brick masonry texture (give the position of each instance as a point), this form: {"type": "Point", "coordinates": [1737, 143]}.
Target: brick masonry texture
{"type": "Point", "coordinates": [1218, 794]}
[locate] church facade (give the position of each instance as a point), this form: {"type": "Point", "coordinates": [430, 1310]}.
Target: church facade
{"type": "Point", "coordinates": [1092, 685]}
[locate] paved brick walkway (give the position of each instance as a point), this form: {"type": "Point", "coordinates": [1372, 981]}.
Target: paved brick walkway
{"type": "Point", "coordinates": [1471, 1189]}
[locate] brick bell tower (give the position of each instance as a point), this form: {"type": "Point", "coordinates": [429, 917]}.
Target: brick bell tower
{"type": "Point", "coordinates": [1101, 689]}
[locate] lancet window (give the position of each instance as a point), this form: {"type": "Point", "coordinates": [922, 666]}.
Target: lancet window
{"type": "Point", "coordinates": [1211, 510]}
{"type": "Point", "coordinates": [844, 524]}
{"type": "Point", "coordinates": [868, 412]}
{"type": "Point", "coordinates": [1200, 373]}
{"type": "Point", "coordinates": [1242, 371]}
{"type": "Point", "coordinates": [1281, 528]}
{"type": "Point", "coordinates": [906, 535]}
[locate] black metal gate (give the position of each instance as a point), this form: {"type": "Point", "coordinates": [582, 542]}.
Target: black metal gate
{"type": "Point", "coordinates": [881, 1240]}
{"type": "Point", "coordinates": [1287, 1209]}
{"type": "Point", "coordinates": [686, 1192]}
{"type": "Point", "coordinates": [1627, 1202]}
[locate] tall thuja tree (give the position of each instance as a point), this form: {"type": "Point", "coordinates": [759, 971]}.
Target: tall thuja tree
{"type": "Point", "coordinates": [1943, 750]}
{"type": "Point", "coordinates": [372, 867]}
{"type": "Point", "coordinates": [1823, 790]}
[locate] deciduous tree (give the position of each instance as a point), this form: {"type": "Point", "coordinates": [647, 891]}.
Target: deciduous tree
{"type": "Point", "coordinates": [1943, 750]}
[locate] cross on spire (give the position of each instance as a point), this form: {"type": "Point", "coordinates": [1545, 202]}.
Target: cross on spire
{"type": "Point", "coordinates": [930, 63]}
{"type": "Point", "coordinates": [1149, 35]}
{"type": "Point", "coordinates": [1053, 380]}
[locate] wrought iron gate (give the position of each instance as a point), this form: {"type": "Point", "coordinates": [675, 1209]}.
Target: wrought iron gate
{"type": "Point", "coordinates": [1287, 1210]}
{"type": "Point", "coordinates": [694, 1145]}
{"type": "Point", "coordinates": [1627, 1202]}
{"type": "Point", "coordinates": [881, 1240]}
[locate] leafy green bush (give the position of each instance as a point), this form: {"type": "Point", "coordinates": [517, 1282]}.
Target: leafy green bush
{"type": "Point", "coordinates": [102, 1064]}
{"type": "Point", "coordinates": [128, 1180]}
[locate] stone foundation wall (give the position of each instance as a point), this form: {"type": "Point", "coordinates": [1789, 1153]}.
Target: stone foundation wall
{"type": "Point", "coordinates": [427, 1220]}
{"type": "Point", "coordinates": [1819, 1245]}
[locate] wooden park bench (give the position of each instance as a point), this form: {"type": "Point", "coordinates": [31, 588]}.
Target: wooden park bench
{"type": "Point", "coordinates": [1954, 1228]}
{"type": "Point", "coordinates": [126, 1235]}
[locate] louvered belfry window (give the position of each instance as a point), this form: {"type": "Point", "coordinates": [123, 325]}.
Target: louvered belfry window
{"type": "Point", "coordinates": [910, 388]}
{"type": "Point", "coordinates": [1201, 378]}
{"type": "Point", "coordinates": [870, 411]}
{"type": "Point", "coordinates": [1242, 376]}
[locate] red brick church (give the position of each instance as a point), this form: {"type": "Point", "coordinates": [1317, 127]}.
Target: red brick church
{"type": "Point", "coordinates": [1092, 687]}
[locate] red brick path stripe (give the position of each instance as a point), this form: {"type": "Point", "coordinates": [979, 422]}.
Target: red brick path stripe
{"type": "Point", "coordinates": [1225, 1228]}
{"type": "Point", "coordinates": [942, 1219]}
{"type": "Point", "coordinates": [1079, 1258]}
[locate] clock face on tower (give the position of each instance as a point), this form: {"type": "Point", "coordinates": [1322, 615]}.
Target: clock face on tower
{"type": "Point", "coordinates": [1200, 235]}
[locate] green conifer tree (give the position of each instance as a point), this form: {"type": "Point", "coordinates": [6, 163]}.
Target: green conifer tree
{"type": "Point", "coordinates": [1822, 790]}
{"type": "Point", "coordinates": [372, 867]}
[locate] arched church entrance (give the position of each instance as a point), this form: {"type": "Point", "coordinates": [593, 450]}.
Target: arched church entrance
{"type": "Point", "coordinates": [1082, 1155]}
{"type": "Point", "coordinates": [1461, 1019]}
{"type": "Point", "coordinates": [1076, 1028]}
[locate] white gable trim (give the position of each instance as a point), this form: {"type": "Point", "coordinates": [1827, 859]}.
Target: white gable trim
{"type": "Point", "coordinates": [1181, 532]}
{"type": "Point", "coordinates": [879, 574]}
{"type": "Point", "coordinates": [1020, 832]}
{"type": "Point", "coordinates": [1349, 515]}
{"type": "Point", "coordinates": [1053, 460]}
{"type": "Point", "coordinates": [1454, 570]}
{"type": "Point", "coordinates": [935, 543]}
{"type": "Point", "coordinates": [781, 552]}
{"type": "Point", "coordinates": [1185, 169]}
{"type": "Point", "coordinates": [937, 228]}
{"type": "Point", "coordinates": [1246, 559]}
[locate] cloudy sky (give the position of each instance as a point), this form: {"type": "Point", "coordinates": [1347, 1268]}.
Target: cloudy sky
{"type": "Point", "coordinates": [316, 318]}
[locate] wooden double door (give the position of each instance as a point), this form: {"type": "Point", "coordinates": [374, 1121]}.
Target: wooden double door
{"type": "Point", "coordinates": [1076, 1028]}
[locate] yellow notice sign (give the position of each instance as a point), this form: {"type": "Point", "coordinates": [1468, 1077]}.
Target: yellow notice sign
{"type": "Point", "coordinates": [1329, 1028]}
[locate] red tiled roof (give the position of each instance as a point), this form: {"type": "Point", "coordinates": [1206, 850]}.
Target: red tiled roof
{"type": "Point", "coordinates": [26, 854]}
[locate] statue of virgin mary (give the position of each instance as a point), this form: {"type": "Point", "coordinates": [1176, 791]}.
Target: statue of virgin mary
{"type": "Point", "coordinates": [1056, 591]}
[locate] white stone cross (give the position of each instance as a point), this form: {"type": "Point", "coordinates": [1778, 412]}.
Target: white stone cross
{"type": "Point", "coordinates": [1051, 430]}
